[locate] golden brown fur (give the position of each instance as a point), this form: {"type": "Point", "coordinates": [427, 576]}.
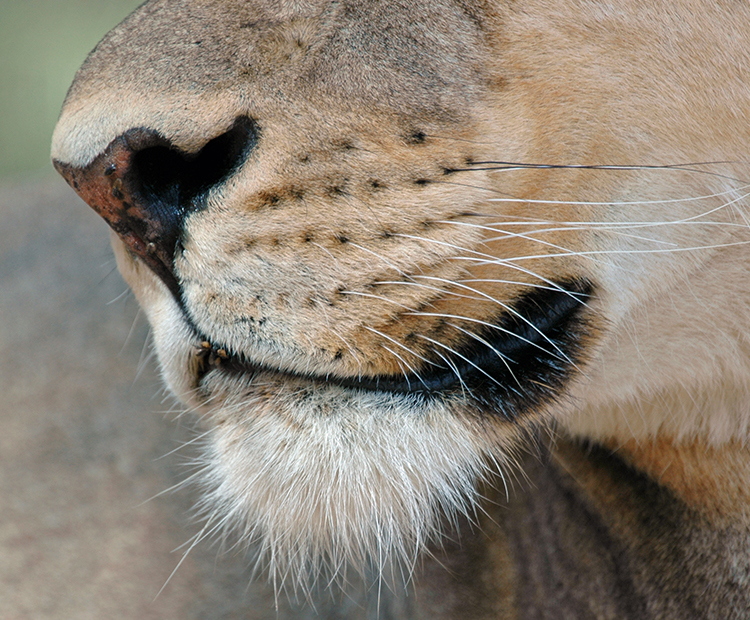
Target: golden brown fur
{"type": "Point", "coordinates": [416, 178]}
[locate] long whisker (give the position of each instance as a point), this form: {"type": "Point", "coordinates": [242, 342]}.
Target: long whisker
{"type": "Point", "coordinates": [529, 235]}
{"type": "Point", "coordinates": [684, 167]}
{"type": "Point", "coordinates": [478, 338]}
{"type": "Point", "coordinates": [491, 326]}
{"type": "Point", "coordinates": [381, 297]}
{"type": "Point", "coordinates": [464, 388]}
{"type": "Point", "coordinates": [411, 368]}
{"type": "Point", "coordinates": [508, 308]}
{"type": "Point", "coordinates": [616, 252]}
{"type": "Point", "coordinates": [463, 357]}
{"type": "Point", "coordinates": [557, 289]}
{"type": "Point", "coordinates": [526, 236]}
{"type": "Point", "coordinates": [183, 483]}
{"type": "Point", "coordinates": [623, 203]}
{"type": "Point", "coordinates": [562, 225]}
{"type": "Point", "coordinates": [398, 344]}
{"type": "Point", "coordinates": [516, 199]}
{"type": "Point", "coordinates": [483, 258]}
{"type": "Point", "coordinates": [443, 291]}
{"type": "Point", "coordinates": [379, 257]}
{"type": "Point", "coordinates": [184, 444]}
{"type": "Point", "coordinates": [724, 205]}
{"type": "Point", "coordinates": [195, 540]}
{"type": "Point", "coordinates": [575, 226]}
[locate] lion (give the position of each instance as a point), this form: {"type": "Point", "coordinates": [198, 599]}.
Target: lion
{"type": "Point", "coordinates": [457, 289]}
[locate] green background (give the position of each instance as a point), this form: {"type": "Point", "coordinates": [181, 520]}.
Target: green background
{"type": "Point", "coordinates": [42, 43]}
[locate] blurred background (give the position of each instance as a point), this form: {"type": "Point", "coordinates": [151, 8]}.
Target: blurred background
{"type": "Point", "coordinates": [42, 43]}
{"type": "Point", "coordinates": [86, 432]}
{"type": "Point", "coordinates": [90, 445]}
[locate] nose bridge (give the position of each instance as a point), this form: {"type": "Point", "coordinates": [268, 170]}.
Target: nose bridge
{"type": "Point", "coordinates": [96, 113]}
{"type": "Point", "coordinates": [166, 68]}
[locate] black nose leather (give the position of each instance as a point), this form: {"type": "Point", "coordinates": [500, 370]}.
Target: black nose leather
{"type": "Point", "coordinates": [144, 187]}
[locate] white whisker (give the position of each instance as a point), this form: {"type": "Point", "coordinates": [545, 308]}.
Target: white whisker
{"type": "Point", "coordinates": [464, 388]}
{"type": "Point", "coordinates": [411, 368]}
{"type": "Point", "coordinates": [379, 257]}
{"type": "Point", "coordinates": [397, 343]}
{"type": "Point", "coordinates": [380, 297]}
{"type": "Point", "coordinates": [620, 203]}
{"type": "Point", "coordinates": [492, 326]}
{"type": "Point", "coordinates": [463, 357]}
{"type": "Point", "coordinates": [685, 167]}
{"type": "Point", "coordinates": [618, 252]}
{"type": "Point", "coordinates": [478, 338]}
{"type": "Point", "coordinates": [508, 308]}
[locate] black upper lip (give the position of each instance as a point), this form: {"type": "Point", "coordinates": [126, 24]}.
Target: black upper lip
{"type": "Point", "coordinates": [529, 352]}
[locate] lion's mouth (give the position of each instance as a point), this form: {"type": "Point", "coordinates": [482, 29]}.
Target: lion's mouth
{"type": "Point", "coordinates": [519, 361]}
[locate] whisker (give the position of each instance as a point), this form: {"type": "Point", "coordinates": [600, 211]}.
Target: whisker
{"type": "Point", "coordinates": [184, 444]}
{"type": "Point", "coordinates": [619, 252]}
{"type": "Point", "coordinates": [380, 297]}
{"type": "Point", "coordinates": [464, 387]}
{"type": "Point", "coordinates": [122, 295]}
{"type": "Point", "coordinates": [524, 235]}
{"type": "Point", "coordinates": [515, 199]}
{"type": "Point", "coordinates": [623, 203]}
{"type": "Point", "coordinates": [534, 232]}
{"type": "Point", "coordinates": [463, 357]}
{"type": "Point", "coordinates": [320, 247]}
{"type": "Point", "coordinates": [183, 483]}
{"type": "Point", "coordinates": [576, 226]}
{"type": "Point", "coordinates": [683, 167]}
{"type": "Point", "coordinates": [379, 257]}
{"type": "Point", "coordinates": [558, 289]}
{"type": "Point", "coordinates": [563, 225]}
{"type": "Point", "coordinates": [491, 326]}
{"type": "Point", "coordinates": [398, 344]}
{"type": "Point", "coordinates": [411, 368]}
{"type": "Point", "coordinates": [551, 284]}
{"type": "Point", "coordinates": [452, 246]}
{"type": "Point", "coordinates": [195, 540]}
{"type": "Point", "coordinates": [490, 259]}
{"type": "Point", "coordinates": [437, 289]}
{"type": "Point", "coordinates": [349, 347]}
{"type": "Point", "coordinates": [478, 338]}
{"type": "Point", "coordinates": [528, 234]}
{"type": "Point", "coordinates": [147, 352]}
{"type": "Point", "coordinates": [506, 307]}
{"type": "Point", "coordinates": [400, 366]}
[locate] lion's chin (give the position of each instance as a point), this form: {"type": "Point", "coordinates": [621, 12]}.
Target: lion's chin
{"type": "Point", "coordinates": [322, 476]}
{"type": "Point", "coordinates": [326, 478]}
{"type": "Point", "coordinates": [318, 478]}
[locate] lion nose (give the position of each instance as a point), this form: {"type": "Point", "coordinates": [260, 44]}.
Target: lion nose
{"type": "Point", "coordinates": [144, 187]}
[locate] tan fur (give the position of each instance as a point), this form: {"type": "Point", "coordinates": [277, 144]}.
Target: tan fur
{"type": "Point", "coordinates": [369, 229]}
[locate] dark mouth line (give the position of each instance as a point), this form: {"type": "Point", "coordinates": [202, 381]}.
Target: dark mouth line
{"type": "Point", "coordinates": [531, 347]}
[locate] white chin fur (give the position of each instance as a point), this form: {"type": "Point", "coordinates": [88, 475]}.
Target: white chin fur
{"type": "Point", "coordinates": [322, 478]}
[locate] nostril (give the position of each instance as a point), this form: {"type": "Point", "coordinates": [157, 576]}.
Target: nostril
{"type": "Point", "coordinates": [144, 187]}
{"type": "Point", "coordinates": [161, 174]}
